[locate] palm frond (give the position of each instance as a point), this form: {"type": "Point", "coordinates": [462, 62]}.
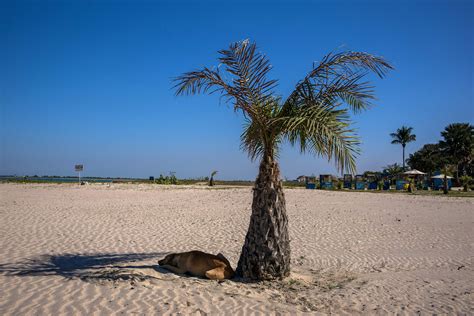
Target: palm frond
{"type": "Point", "coordinates": [251, 140]}
{"type": "Point", "coordinates": [250, 69]}
{"type": "Point", "coordinates": [256, 139]}
{"type": "Point", "coordinates": [337, 78]}
{"type": "Point", "coordinates": [315, 115]}
{"type": "Point", "coordinates": [323, 130]}
{"type": "Point", "coordinates": [349, 63]}
{"type": "Point", "coordinates": [200, 81]}
{"type": "Point", "coordinates": [403, 136]}
{"type": "Point", "coordinates": [247, 84]}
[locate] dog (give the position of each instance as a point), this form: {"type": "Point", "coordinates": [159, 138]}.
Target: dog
{"type": "Point", "coordinates": [198, 263]}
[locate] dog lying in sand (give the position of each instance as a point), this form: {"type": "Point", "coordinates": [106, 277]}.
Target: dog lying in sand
{"type": "Point", "coordinates": [198, 263]}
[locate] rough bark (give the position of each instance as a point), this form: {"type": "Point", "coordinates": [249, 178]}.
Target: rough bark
{"type": "Point", "coordinates": [266, 251]}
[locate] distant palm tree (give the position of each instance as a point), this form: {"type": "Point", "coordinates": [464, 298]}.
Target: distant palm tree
{"type": "Point", "coordinates": [393, 170]}
{"type": "Point", "coordinates": [458, 146]}
{"type": "Point", "coordinates": [465, 180]}
{"type": "Point", "coordinates": [403, 136]}
{"type": "Point", "coordinates": [313, 117]}
{"type": "Point", "coordinates": [211, 180]}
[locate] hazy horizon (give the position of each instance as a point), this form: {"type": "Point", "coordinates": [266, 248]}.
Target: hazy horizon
{"type": "Point", "coordinates": [91, 82]}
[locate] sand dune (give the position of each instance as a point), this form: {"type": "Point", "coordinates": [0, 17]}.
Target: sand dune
{"type": "Point", "coordinates": [68, 249]}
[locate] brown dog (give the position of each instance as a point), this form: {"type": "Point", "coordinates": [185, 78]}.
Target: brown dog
{"type": "Point", "coordinates": [198, 263]}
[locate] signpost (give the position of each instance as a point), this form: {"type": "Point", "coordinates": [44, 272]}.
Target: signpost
{"type": "Point", "coordinates": [79, 168]}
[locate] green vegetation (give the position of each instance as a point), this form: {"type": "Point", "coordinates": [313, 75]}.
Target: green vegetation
{"type": "Point", "coordinates": [452, 193]}
{"type": "Point", "coordinates": [454, 151]}
{"type": "Point", "coordinates": [403, 136]}
{"type": "Point", "coordinates": [380, 185]}
{"type": "Point", "coordinates": [458, 147]}
{"type": "Point", "coordinates": [171, 179]}
{"type": "Point", "coordinates": [164, 180]}
{"type": "Point", "coordinates": [428, 159]}
{"type": "Point", "coordinates": [393, 170]}
{"type": "Point", "coordinates": [466, 181]}
{"type": "Point", "coordinates": [315, 117]}
{"type": "Point", "coordinates": [211, 181]}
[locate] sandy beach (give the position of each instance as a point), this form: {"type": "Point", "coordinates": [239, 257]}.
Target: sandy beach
{"type": "Point", "coordinates": [69, 249]}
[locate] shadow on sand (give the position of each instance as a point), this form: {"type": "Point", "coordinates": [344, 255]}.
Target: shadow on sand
{"type": "Point", "coordinates": [88, 267]}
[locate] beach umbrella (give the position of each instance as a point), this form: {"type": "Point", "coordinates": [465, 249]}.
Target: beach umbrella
{"type": "Point", "coordinates": [414, 172]}
{"type": "Point", "coordinates": [441, 176]}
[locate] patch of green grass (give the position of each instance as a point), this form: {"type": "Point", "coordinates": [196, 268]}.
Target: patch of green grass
{"type": "Point", "coordinates": [469, 194]}
{"type": "Point", "coordinates": [294, 282]}
{"type": "Point", "coordinates": [450, 194]}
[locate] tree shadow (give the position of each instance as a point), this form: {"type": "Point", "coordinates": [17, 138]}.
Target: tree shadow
{"type": "Point", "coordinates": [133, 267]}
{"type": "Point", "coordinates": [87, 267]}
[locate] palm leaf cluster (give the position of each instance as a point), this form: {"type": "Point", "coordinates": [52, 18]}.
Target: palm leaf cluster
{"type": "Point", "coordinates": [315, 116]}
{"type": "Point", "coordinates": [403, 136]}
{"type": "Point", "coordinates": [458, 142]}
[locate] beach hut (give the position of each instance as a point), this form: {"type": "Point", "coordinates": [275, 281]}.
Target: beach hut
{"type": "Point", "coordinates": [438, 182]}
{"type": "Point", "coordinates": [359, 182]}
{"type": "Point", "coordinates": [310, 183]}
{"type": "Point", "coordinates": [325, 181]}
{"type": "Point", "coordinates": [372, 182]}
{"type": "Point", "coordinates": [401, 184]}
{"type": "Point", "coordinates": [386, 180]}
{"type": "Point", "coordinates": [347, 181]}
{"type": "Point", "coordinates": [414, 173]}
{"type": "Point", "coordinates": [301, 179]}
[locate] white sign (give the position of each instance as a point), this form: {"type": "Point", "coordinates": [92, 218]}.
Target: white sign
{"type": "Point", "coordinates": [79, 168]}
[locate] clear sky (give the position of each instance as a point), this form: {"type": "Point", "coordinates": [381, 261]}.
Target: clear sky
{"type": "Point", "coordinates": [90, 81]}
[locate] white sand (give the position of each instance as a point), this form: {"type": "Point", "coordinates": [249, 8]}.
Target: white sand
{"type": "Point", "coordinates": [67, 249]}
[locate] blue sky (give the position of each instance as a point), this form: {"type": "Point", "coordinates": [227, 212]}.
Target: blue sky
{"type": "Point", "coordinates": [90, 81]}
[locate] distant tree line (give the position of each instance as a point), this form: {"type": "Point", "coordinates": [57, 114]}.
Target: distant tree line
{"type": "Point", "coordinates": [454, 151]}
{"type": "Point", "coordinates": [452, 155]}
{"type": "Point", "coordinates": [171, 179]}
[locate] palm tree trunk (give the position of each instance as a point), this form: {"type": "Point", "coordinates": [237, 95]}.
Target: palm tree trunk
{"type": "Point", "coordinates": [457, 173]}
{"type": "Point", "coordinates": [445, 181]}
{"type": "Point", "coordinates": [403, 146]}
{"type": "Point", "coordinates": [266, 251]}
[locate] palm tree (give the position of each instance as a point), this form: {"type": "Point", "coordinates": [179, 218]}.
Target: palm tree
{"type": "Point", "coordinates": [393, 170]}
{"type": "Point", "coordinates": [403, 136]}
{"type": "Point", "coordinates": [458, 146]}
{"type": "Point", "coordinates": [465, 180]}
{"type": "Point", "coordinates": [313, 117]}
{"type": "Point", "coordinates": [211, 180]}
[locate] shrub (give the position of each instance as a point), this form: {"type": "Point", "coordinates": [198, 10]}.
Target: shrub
{"type": "Point", "coordinates": [167, 180]}
{"type": "Point", "coordinates": [465, 181]}
{"type": "Point", "coordinates": [380, 185]}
